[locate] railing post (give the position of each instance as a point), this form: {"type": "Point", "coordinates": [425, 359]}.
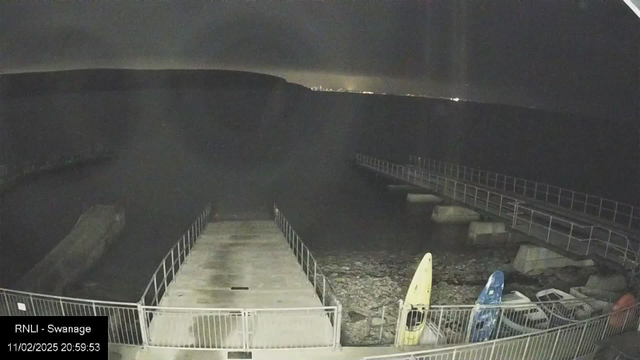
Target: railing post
{"type": "Point", "coordinates": [324, 284]}
{"type": "Point", "coordinates": [608, 242]}
{"type": "Point", "coordinates": [95, 313]}
{"type": "Point", "coordinates": [530, 223]}
{"type": "Point", "coordinates": [586, 203]}
{"type": "Point", "coordinates": [555, 345]}
{"type": "Point", "coordinates": [600, 208]}
{"type": "Point", "coordinates": [546, 194]}
{"type": "Point", "coordinates": [580, 342]}
{"type": "Point", "coordinates": [179, 258]}
{"type": "Point", "coordinates": [589, 243]}
{"type": "Point", "coordinates": [570, 236]}
{"type": "Point", "coordinates": [308, 265]}
{"type": "Point", "coordinates": [526, 347]}
{"type": "Point", "coordinates": [493, 348]}
{"type": "Point", "coordinates": [559, 195]}
{"type": "Point", "coordinates": [631, 216]}
{"type": "Point", "coordinates": [32, 306]}
{"type": "Point", "coordinates": [164, 271]}
{"type": "Point", "coordinates": [615, 212]}
{"type": "Point", "coordinates": [173, 270]}
{"type": "Point", "coordinates": [606, 327]}
{"type": "Point", "coordinates": [245, 330]}
{"type": "Point", "coordinates": [500, 208]}
{"type": "Point", "coordinates": [487, 204]}
{"type": "Point", "coordinates": [439, 326]}
{"type": "Point", "coordinates": [549, 232]}
{"type": "Point", "coordinates": [464, 194]}
{"type": "Point", "coordinates": [143, 325]}
{"type": "Point", "coordinates": [155, 287]}
{"type": "Point", "coordinates": [338, 327]}
{"type": "Point", "coordinates": [384, 307]}
{"type": "Point", "coordinates": [62, 307]}
{"type": "Point", "coordinates": [626, 317]}
{"type": "Point", "coordinates": [475, 197]}
{"type": "Point", "coordinates": [315, 275]}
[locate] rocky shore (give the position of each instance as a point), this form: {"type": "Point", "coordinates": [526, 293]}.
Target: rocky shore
{"type": "Point", "coordinates": [368, 282]}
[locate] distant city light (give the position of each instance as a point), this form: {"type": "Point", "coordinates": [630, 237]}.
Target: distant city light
{"type": "Point", "coordinates": [455, 99]}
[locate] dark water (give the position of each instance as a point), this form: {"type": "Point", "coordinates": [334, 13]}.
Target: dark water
{"type": "Point", "coordinates": [181, 149]}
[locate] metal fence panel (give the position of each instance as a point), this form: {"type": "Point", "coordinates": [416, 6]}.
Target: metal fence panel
{"type": "Point", "coordinates": [595, 206]}
{"type": "Point", "coordinates": [567, 342]}
{"type": "Point", "coordinates": [574, 237]}
{"type": "Point", "coordinates": [195, 328]}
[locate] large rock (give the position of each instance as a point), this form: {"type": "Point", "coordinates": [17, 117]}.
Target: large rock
{"type": "Point", "coordinates": [454, 214]}
{"type": "Point", "coordinates": [612, 283]}
{"type": "Point", "coordinates": [534, 259]}
{"type": "Point", "coordinates": [487, 233]}
{"type": "Point", "coordinates": [77, 252]}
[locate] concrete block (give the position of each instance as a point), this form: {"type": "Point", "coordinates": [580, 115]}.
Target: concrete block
{"type": "Point", "coordinates": [487, 233]}
{"type": "Point", "coordinates": [600, 301]}
{"type": "Point", "coordinates": [77, 252]}
{"type": "Point", "coordinates": [613, 283]}
{"type": "Point", "coordinates": [454, 214]}
{"type": "Point", "coordinates": [534, 259]}
{"type": "Point", "coordinates": [423, 199]}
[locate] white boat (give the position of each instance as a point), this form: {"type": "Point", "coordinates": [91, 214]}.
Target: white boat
{"type": "Point", "coordinates": [521, 316]}
{"type": "Point", "coordinates": [563, 308]}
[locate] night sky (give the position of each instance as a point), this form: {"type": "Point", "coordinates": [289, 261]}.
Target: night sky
{"type": "Point", "coordinates": [578, 56]}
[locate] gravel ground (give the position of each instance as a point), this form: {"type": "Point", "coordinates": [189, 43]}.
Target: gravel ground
{"type": "Point", "coordinates": [367, 281]}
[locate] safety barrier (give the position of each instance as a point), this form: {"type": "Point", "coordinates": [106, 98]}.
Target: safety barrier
{"type": "Point", "coordinates": [562, 343]}
{"type": "Point", "coordinates": [314, 274]}
{"type": "Point", "coordinates": [241, 328]}
{"type": "Point", "coordinates": [601, 208]}
{"type": "Point", "coordinates": [124, 318]}
{"type": "Point", "coordinates": [172, 262]}
{"type": "Point", "coordinates": [573, 237]}
{"type": "Point", "coordinates": [453, 324]}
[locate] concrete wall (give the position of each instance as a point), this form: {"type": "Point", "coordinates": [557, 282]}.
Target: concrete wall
{"type": "Point", "coordinates": [76, 253]}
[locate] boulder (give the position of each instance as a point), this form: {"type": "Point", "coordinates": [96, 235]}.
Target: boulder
{"type": "Point", "coordinates": [612, 283]}
{"type": "Point", "coordinates": [533, 259]}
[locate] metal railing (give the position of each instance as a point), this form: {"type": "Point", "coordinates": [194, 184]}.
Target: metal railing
{"type": "Point", "coordinates": [580, 239]}
{"type": "Point", "coordinates": [453, 324]}
{"type": "Point", "coordinates": [310, 268]}
{"type": "Point", "coordinates": [124, 318]}
{"type": "Point", "coordinates": [599, 207]}
{"type": "Point", "coordinates": [565, 342]}
{"type": "Point", "coordinates": [172, 262]}
{"type": "Point", "coordinates": [241, 329]}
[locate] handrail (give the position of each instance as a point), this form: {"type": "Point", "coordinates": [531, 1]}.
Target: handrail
{"type": "Point", "coordinates": [326, 294]}
{"type": "Point", "coordinates": [571, 236]}
{"type": "Point", "coordinates": [177, 255]}
{"type": "Point", "coordinates": [609, 210]}
{"type": "Point", "coordinates": [476, 348]}
{"type": "Point", "coordinates": [56, 297]}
